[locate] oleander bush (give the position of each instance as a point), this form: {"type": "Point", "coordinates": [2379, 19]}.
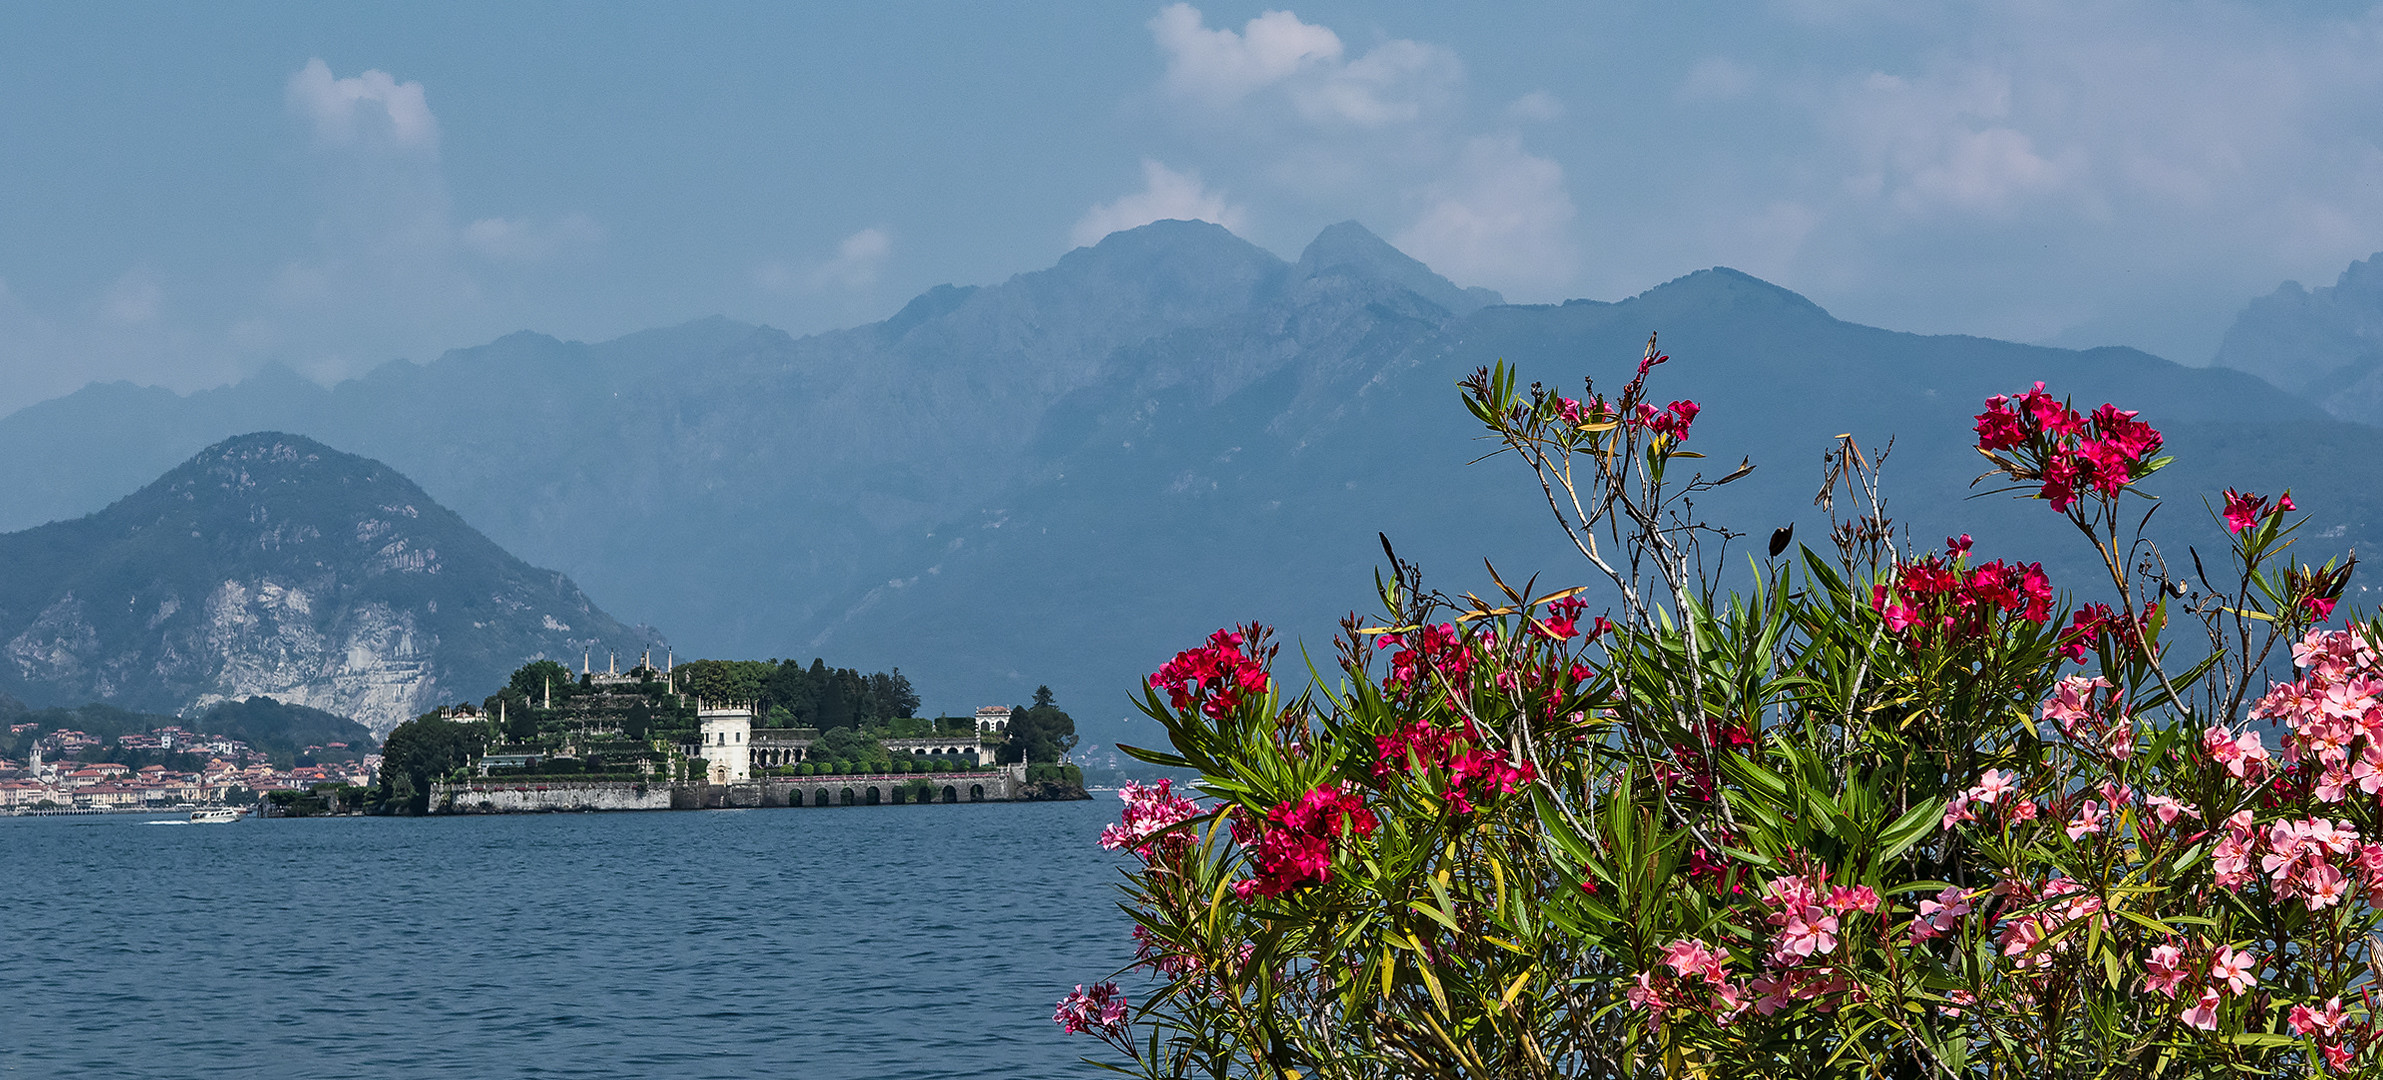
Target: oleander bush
{"type": "Point", "coordinates": [1885, 812]}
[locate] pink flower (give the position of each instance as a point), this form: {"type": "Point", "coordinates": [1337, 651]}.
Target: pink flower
{"type": "Point", "coordinates": [2306, 1021]}
{"type": "Point", "coordinates": [2020, 941]}
{"type": "Point", "coordinates": [1645, 995]}
{"type": "Point", "coordinates": [2204, 1014]}
{"type": "Point", "coordinates": [2168, 810]}
{"type": "Point", "coordinates": [1100, 1010]}
{"type": "Point", "coordinates": [2324, 886]}
{"type": "Point", "coordinates": [2242, 755]}
{"type": "Point", "coordinates": [1811, 932]}
{"type": "Point", "coordinates": [2088, 820]}
{"type": "Point", "coordinates": [1858, 898]}
{"type": "Point", "coordinates": [1150, 809]}
{"type": "Point", "coordinates": [1991, 784]}
{"type": "Point", "coordinates": [1939, 916]}
{"type": "Point", "coordinates": [2165, 969]}
{"type": "Point", "coordinates": [2231, 860]}
{"type": "Point", "coordinates": [2234, 968]}
{"type": "Point", "coordinates": [2243, 510]}
{"type": "Point", "coordinates": [1690, 957]}
{"type": "Point", "coordinates": [1957, 811]}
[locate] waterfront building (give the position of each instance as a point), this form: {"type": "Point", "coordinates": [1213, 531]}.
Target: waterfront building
{"type": "Point", "coordinates": [726, 742]}
{"type": "Point", "coordinates": [992, 719]}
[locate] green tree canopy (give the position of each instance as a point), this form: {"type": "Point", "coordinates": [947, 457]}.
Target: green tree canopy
{"type": "Point", "coordinates": [1041, 733]}
{"type": "Point", "coordinates": [533, 679]}
{"type": "Point", "coordinates": [422, 750]}
{"type": "Point", "coordinates": [725, 682]}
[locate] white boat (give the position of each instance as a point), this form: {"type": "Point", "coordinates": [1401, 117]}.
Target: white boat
{"type": "Point", "coordinates": [217, 815]}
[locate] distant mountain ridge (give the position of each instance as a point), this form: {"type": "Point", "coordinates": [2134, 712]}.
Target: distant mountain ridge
{"type": "Point", "coordinates": [269, 564]}
{"type": "Point", "coordinates": [2325, 344]}
{"type": "Point", "coordinates": [1062, 477]}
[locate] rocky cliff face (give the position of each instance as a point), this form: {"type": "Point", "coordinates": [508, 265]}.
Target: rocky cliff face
{"type": "Point", "coordinates": [271, 564]}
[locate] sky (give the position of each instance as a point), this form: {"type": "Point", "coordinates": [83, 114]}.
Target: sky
{"type": "Point", "coordinates": [191, 192]}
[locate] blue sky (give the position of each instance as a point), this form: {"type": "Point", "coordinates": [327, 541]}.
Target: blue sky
{"type": "Point", "coordinates": [188, 192]}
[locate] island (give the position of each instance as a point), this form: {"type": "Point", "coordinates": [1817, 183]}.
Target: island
{"type": "Point", "coordinates": [711, 734]}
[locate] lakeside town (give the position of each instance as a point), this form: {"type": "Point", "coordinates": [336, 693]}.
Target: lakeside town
{"type": "Point", "coordinates": [54, 776]}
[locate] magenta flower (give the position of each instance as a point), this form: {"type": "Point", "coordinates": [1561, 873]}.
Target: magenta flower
{"type": "Point", "coordinates": [1100, 1010]}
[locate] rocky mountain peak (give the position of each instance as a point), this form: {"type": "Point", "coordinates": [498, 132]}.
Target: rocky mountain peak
{"type": "Point", "coordinates": [1352, 249]}
{"type": "Point", "coordinates": [272, 564]}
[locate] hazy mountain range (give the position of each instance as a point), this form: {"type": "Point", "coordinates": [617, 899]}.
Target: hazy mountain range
{"type": "Point", "coordinates": [1064, 477]}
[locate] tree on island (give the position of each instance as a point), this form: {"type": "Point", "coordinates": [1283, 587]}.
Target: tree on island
{"type": "Point", "coordinates": [534, 680]}
{"type": "Point", "coordinates": [1041, 733]}
{"type": "Point", "coordinates": [420, 751]}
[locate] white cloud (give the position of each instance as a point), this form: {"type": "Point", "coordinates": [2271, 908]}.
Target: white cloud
{"type": "Point", "coordinates": [2094, 171]}
{"type": "Point", "coordinates": [1501, 218]}
{"type": "Point", "coordinates": [1397, 81]}
{"type": "Point", "coordinates": [858, 258]}
{"type": "Point", "coordinates": [393, 269]}
{"type": "Point", "coordinates": [1166, 194]}
{"type": "Point", "coordinates": [1948, 141]}
{"type": "Point", "coordinates": [1383, 134]}
{"type": "Point", "coordinates": [523, 241]}
{"type": "Point", "coordinates": [855, 266]}
{"type": "Point", "coordinates": [1538, 106]}
{"type": "Point", "coordinates": [372, 109]}
{"type": "Point", "coordinates": [1220, 66]}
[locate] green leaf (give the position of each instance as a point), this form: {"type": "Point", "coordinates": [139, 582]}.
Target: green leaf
{"type": "Point", "coordinates": [1155, 757]}
{"type": "Point", "coordinates": [1909, 829]}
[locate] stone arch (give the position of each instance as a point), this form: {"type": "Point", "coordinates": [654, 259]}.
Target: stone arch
{"type": "Point", "coordinates": [819, 797]}
{"type": "Point", "coordinates": [976, 793]}
{"type": "Point", "coordinates": [950, 795]}
{"type": "Point", "coordinates": [873, 796]}
{"type": "Point", "coordinates": [847, 797]}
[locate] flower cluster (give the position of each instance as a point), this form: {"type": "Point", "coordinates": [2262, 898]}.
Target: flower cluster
{"type": "Point", "coordinates": [1960, 599]}
{"type": "Point", "coordinates": [2094, 722]}
{"type": "Point", "coordinates": [2216, 973]}
{"type": "Point", "coordinates": [2246, 511]}
{"type": "Point", "coordinates": [2094, 622]}
{"type": "Point", "coordinates": [1100, 1010]}
{"type": "Point", "coordinates": [1691, 961]}
{"type": "Point", "coordinates": [1994, 788]}
{"type": "Point", "coordinates": [1472, 772]}
{"type": "Point", "coordinates": [1672, 420]}
{"type": "Point", "coordinates": [1217, 677]}
{"type": "Point", "coordinates": [1150, 811]}
{"type": "Point", "coordinates": [2030, 937]}
{"type": "Point", "coordinates": [1436, 649]}
{"type": "Point", "coordinates": [1809, 917]}
{"type": "Point", "coordinates": [2067, 453]}
{"type": "Point", "coordinates": [2333, 714]}
{"type": "Point", "coordinates": [1294, 845]}
{"type": "Point", "coordinates": [2338, 1039]}
{"type": "Point", "coordinates": [1562, 621]}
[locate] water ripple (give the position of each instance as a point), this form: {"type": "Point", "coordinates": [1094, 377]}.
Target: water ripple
{"type": "Point", "coordinates": [886, 943]}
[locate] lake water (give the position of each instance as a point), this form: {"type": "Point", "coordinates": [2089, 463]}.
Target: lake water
{"type": "Point", "coordinates": [880, 942]}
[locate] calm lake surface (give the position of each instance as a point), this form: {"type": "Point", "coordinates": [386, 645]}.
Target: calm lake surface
{"type": "Point", "coordinates": [883, 942]}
